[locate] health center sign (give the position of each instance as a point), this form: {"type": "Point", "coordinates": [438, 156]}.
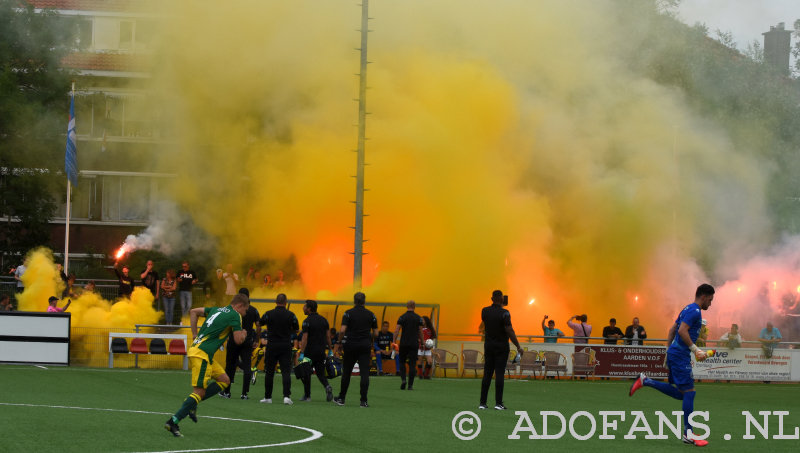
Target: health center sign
{"type": "Point", "coordinates": [746, 365]}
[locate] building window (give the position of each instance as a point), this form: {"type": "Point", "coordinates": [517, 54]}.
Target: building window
{"type": "Point", "coordinates": [126, 198]}
{"type": "Point", "coordinates": [126, 35]}
{"type": "Point", "coordinates": [84, 34]}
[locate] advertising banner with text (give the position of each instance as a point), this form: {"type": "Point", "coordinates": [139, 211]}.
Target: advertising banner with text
{"type": "Point", "coordinates": [746, 365]}
{"type": "Point", "coordinates": [629, 361]}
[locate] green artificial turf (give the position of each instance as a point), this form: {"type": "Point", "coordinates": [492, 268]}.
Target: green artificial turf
{"type": "Point", "coordinates": [396, 421]}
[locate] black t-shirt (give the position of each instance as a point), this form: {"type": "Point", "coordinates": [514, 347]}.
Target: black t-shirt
{"type": "Point", "coordinates": [249, 320]}
{"type": "Point", "coordinates": [384, 342]}
{"type": "Point", "coordinates": [125, 284]}
{"type": "Point", "coordinates": [495, 320]}
{"type": "Point", "coordinates": [316, 328]}
{"type": "Point", "coordinates": [185, 280]}
{"type": "Point", "coordinates": [150, 281]}
{"type": "Point", "coordinates": [608, 331]}
{"type": "Point", "coordinates": [281, 324]}
{"type": "Point", "coordinates": [359, 322]}
{"type": "Point", "coordinates": [410, 322]}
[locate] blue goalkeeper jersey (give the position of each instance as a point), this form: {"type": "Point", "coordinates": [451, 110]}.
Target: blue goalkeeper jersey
{"type": "Point", "coordinates": [692, 317]}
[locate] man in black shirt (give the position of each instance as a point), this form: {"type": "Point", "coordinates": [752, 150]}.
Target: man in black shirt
{"type": "Point", "coordinates": [611, 332]}
{"type": "Point", "coordinates": [239, 355]}
{"type": "Point", "coordinates": [383, 346]}
{"type": "Point", "coordinates": [150, 279]}
{"type": "Point", "coordinates": [281, 324]}
{"type": "Point", "coordinates": [355, 337]}
{"type": "Point", "coordinates": [412, 324]}
{"type": "Point", "coordinates": [315, 339]}
{"type": "Point", "coordinates": [497, 322]}
{"type": "Point", "coordinates": [125, 281]}
{"type": "Point", "coordinates": [635, 333]}
{"type": "Point", "coordinates": [186, 278]}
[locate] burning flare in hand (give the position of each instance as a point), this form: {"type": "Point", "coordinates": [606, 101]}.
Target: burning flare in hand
{"type": "Point", "coordinates": [121, 252]}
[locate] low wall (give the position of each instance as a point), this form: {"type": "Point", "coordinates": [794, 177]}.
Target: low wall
{"type": "Point", "coordinates": [622, 361]}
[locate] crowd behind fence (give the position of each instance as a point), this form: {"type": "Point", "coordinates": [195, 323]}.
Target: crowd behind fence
{"type": "Point", "coordinates": [525, 338]}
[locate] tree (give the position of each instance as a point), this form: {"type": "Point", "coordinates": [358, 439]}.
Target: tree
{"type": "Point", "coordinates": [796, 47]}
{"type": "Point", "coordinates": [726, 38]}
{"type": "Point", "coordinates": [755, 51]}
{"type": "Point", "coordinates": [33, 120]}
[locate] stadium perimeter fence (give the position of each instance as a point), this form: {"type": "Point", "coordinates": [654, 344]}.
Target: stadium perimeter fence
{"type": "Point", "coordinates": [89, 346]}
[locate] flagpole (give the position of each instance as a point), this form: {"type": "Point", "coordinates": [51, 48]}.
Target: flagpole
{"type": "Point", "coordinates": [69, 202]}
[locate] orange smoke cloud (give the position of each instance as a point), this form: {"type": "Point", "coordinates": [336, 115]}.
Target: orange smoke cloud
{"type": "Point", "coordinates": [506, 151]}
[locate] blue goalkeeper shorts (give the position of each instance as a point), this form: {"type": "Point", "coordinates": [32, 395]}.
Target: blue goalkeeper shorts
{"type": "Point", "coordinates": [680, 371]}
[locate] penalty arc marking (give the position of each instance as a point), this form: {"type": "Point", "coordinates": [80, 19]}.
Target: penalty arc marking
{"type": "Point", "coordinates": [314, 434]}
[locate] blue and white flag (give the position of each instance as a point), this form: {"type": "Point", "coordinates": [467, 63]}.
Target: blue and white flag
{"type": "Point", "coordinates": [71, 156]}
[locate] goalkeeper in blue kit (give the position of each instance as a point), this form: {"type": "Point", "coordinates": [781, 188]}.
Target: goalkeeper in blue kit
{"type": "Point", "coordinates": [681, 339]}
{"type": "Point", "coordinates": [219, 324]}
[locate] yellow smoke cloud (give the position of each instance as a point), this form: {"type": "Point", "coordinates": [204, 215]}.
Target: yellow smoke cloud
{"type": "Point", "coordinates": [41, 280]}
{"type": "Point", "coordinates": [509, 148]}
{"type": "Point", "coordinates": [90, 312]}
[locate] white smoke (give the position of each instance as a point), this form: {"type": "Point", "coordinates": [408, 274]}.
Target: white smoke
{"type": "Point", "coordinates": [171, 232]}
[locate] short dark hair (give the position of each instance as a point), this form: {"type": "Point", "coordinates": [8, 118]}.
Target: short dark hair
{"type": "Point", "coordinates": [584, 318]}
{"type": "Point", "coordinates": [411, 304]}
{"type": "Point", "coordinates": [244, 291]}
{"type": "Point", "coordinates": [385, 323]}
{"type": "Point", "coordinates": [612, 320]}
{"type": "Point", "coordinates": [704, 290]}
{"type": "Point", "coordinates": [281, 299]}
{"type": "Point", "coordinates": [312, 305]}
{"type": "Point", "coordinates": [359, 298]}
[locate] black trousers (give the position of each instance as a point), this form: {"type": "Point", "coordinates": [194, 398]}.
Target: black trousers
{"type": "Point", "coordinates": [278, 354]}
{"type": "Point", "coordinates": [239, 354]}
{"type": "Point", "coordinates": [494, 362]}
{"type": "Point", "coordinates": [318, 362]}
{"type": "Point", "coordinates": [353, 354]}
{"type": "Point", "coordinates": [408, 354]}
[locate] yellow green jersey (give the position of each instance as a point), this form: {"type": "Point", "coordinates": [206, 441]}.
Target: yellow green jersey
{"type": "Point", "coordinates": [219, 324]}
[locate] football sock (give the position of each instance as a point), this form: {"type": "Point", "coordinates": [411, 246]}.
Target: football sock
{"type": "Point", "coordinates": [664, 388]}
{"type": "Point", "coordinates": [688, 408]}
{"type": "Point", "coordinates": [427, 370]}
{"type": "Point", "coordinates": [214, 388]}
{"type": "Point", "coordinates": [189, 404]}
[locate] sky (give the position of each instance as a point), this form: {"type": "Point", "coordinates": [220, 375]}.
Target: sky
{"type": "Point", "coordinates": [746, 19]}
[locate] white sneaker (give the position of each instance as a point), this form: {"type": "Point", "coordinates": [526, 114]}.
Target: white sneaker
{"type": "Point", "coordinates": [266, 400]}
{"type": "Point", "coordinates": [287, 401]}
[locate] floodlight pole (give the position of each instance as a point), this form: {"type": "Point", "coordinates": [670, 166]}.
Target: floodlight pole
{"type": "Point", "coordinates": [358, 241]}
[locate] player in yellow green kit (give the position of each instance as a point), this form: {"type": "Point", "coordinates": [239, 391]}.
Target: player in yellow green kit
{"type": "Point", "coordinates": [219, 324]}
